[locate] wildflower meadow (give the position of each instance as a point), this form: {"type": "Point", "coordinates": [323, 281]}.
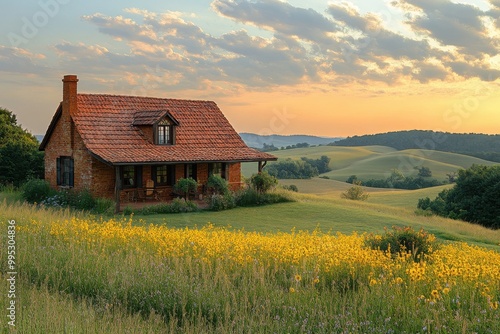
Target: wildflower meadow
{"type": "Point", "coordinates": [213, 279]}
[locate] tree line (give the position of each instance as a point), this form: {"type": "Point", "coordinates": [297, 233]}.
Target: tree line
{"type": "Point", "coordinates": [478, 145]}
{"type": "Point", "coordinates": [304, 168]}
{"type": "Point", "coordinates": [20, 158]}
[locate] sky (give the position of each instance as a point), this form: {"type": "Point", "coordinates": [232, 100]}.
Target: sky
{"type": "Point", "coordinates": [326, 68]}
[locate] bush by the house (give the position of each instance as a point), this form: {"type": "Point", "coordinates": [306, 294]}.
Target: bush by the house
{"type": "Point", "coordinates": [36, 190]}
{"type": "Point", "coordinates": [217, 185]}
{"type": "Point", "coordinates": [219, 202]}
{"type": "Point", "coordinates": [404, 240]}
{"type": "Point", "coordinates": [39, 191]}
{"type": "Point", "coordinates": [177, 205]}
{"type": "Point", "coordinates": [263, 182]}
{"type": "Point", "coordinates": [186, 186]}
{"type": "Point", "coordinates": [251, 197]}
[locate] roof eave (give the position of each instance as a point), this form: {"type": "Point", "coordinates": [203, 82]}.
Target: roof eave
{"type": "Point", "coordinates": [51, 128]}
{"type": "Point", "coordinates": [127, 163]}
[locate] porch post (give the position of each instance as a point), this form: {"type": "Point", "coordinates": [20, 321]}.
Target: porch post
{"type": "Point", "coordinates": [261, 166]}
{"type": "Point", "coordinates": [117, 189]}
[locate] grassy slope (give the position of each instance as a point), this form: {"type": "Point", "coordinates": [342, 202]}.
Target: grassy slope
{"type": "Point", "coordinates": [331, 213]}
{"type": "Point", "coordinates": [377, 161]}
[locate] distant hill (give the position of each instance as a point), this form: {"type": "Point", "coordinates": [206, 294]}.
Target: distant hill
{"type": "Point", "coordinates": [482, 146]}
{"type": "Point", "coordinates": [258, 141]}
{"type": "Point", "coordinates": [377, 162]}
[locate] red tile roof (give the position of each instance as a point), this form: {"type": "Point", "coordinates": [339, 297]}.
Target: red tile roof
{"type": "Point", "coordinates": [106, 125]}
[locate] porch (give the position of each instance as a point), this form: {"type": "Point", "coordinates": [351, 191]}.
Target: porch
{"type": "Point", "coordinates": [138, 198]}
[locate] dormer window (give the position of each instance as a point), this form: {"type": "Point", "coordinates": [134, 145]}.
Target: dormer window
{"type": "Point", "coordinates": [164, 133]}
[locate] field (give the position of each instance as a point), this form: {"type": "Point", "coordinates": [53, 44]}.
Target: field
{"type": "Point", "coordinates": [294, 267]}
{"type": "Point", "coordinates": [376, 162]}
{"type": "Point", "coordinates": [299, 267]}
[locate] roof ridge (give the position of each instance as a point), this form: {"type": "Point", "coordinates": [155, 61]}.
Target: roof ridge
{"type": "Point", "coordinates": [144, 97]}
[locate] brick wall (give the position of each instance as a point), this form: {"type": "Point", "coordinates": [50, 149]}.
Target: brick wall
{"type": "Point", "coordinates": [235, 176]}
{"type": "Point", "coordinates": [66, 141]}
{"type": "Point", "coordinates": [103, 179]}
{"type": "Point", "coordinates": [202, 173]}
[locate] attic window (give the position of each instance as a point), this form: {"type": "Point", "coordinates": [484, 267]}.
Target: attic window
{"type": "Point", "coordinates": [164, 133]}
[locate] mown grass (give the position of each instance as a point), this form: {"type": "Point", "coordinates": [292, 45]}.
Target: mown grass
{"type": "Point", "coordinates": [218, 281]}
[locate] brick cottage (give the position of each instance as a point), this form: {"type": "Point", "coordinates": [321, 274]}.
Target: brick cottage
{"type": "Point", "coordinates": [122, 147]}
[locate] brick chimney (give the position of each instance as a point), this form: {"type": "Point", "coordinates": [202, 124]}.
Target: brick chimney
{"type": "Point", "coordinates": [69, 102]}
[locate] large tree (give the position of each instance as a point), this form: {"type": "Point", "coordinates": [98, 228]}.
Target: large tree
{"type": "Point", "coordinates": [474, 198]}
{"type": "Point", "coordinates": [19, 155]}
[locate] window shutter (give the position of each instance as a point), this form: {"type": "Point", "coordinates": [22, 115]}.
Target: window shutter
{"type": "Point", "coordinates": [58, 164]}
{"type": "Point", "coordinates": [71, 172]}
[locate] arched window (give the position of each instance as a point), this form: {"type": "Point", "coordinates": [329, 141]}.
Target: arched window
{"type": "Point", "coordinates": [164, 133]}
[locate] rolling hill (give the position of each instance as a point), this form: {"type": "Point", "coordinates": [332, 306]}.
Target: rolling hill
{"type": "Point", "coordinates": [479, 145]}
{"type": "Point", "coordinates": [377, 162]}
{"type": "Point", "coordinates": [258, 141]}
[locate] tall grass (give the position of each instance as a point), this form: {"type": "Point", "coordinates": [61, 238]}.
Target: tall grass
{"type": "Point", "coordinates": [215, 280]}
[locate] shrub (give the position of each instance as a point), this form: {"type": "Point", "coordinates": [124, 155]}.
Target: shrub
{"type": "Point", "coordinates": [217, 184]}
{"type": "Point", "coordinates": [404, 240]}
{"type": "Point", "coordinates": [352, 179]}
{"type": "Point", "coordinates": [81, 200]}
{"type": "Point", "coordinates": [219, 202]}
{"type": "Point", "coordinates": [356, 193]}
{"type": "Point", "coordinates": [185, 186]}
{"type": "Point", "coordinates": [179, 205]}
{"type": "Point", "coordinates": [263, 182]}
{"type": "Point", "coordinates": [247, 197]}
{"type": "Point", "coordinates": [251, 197]}
{"type": "Point", "coordinates": [291, 187]}
{"type": "Point", "coordinates": [36, 190]}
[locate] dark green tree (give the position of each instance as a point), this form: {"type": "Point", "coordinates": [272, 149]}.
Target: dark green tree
{"type": "Point", "coordinates": [474, 198]}
{"type": "Point", "coordinates": [20, 159]}
{"type": "Point", "coordinates": [424, 171]}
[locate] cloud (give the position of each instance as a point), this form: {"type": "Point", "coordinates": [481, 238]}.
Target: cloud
{"type": "Point", "coordinates": [454, 24]}
{"type": "Point", "coordinates": [122, 28]}
{"type": "Point", "coordinates": [279, 17]}
{"type": "Point", "coordinates": [17, 60]}
{"type": "Point", "coordinates": [292, 45]}
{"type": "Point", "coordinates": [276, 61]}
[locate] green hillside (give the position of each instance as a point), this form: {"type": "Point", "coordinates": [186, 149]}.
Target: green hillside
{"type": "Point", "coordinates": [340, 156]}
{"type": "Point", "coordinates": [479, 145]}
{"type": "Point", "coordinates": [380, 166]}
{"type": "Point", "coordinates": [377, 162]}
